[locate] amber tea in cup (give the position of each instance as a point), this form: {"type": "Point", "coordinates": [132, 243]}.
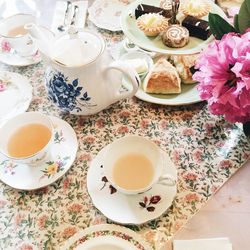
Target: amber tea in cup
{"type": "Point", "coordinates": [127, 169]}
{"type": "Point", "coordinates": [28, 140]}
{"type": "Point", "coordinates": [133, 164]}
{"type": "Point", "coordinates": [17, 31]}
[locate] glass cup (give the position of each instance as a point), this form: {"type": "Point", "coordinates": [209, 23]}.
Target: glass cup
{"type": "Point", "coordinates": [140, 146]}
{"type": "Point", "coordinates": [15, 123]}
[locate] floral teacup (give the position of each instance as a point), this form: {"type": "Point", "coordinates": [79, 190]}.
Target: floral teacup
{"type": "Point", "coordinates": [13, 125]}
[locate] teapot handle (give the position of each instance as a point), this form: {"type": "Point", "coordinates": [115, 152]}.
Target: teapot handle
{"type": "Point", "coordinates": [132, 76]}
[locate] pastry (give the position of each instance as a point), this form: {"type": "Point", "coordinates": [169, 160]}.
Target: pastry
{"type": "Point", "coordinates": [142, 9]}
{"type": "Point", "coordinates": [184, 65]}
{"type": "Point", "coordinates": [152, 24]}
{"type": "Point", "coordinates": [175, 36]}
{"type": "Point", "coordinates": [166, 4]}
{"type": "Point", "coordinates": [196, 8]}
{"type": "Point", "coordinates": [162, 79]}
{"type": "Point", "coordinates": [197, 27]}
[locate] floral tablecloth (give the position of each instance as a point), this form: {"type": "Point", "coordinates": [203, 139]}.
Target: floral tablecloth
{"type": "Point", "coordinates": [206, 150]}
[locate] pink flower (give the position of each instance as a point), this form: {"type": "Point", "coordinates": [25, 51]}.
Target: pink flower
{"type": "Point", "coordinates": [124, 114]}
{"type": "Point", "coordinates": [18, 219]}
{"type": "Point", "coordinates": [192, 197]}
{"type": "Point", "coordinates": [42, 221]}
{"type": "Point", "coordinates": [5, 46]}
{"type": "Point", "coordinates": [100, 123]}
{"type": "Point", "coordinates": [176, 156]}
{"type": "Point", "coordinates": [225, 164]}
{"type": "Point", "coordinates": [85, 157]}
{"type": "Point", "coordinates": [89, 140]}
{"type": "Point", "coordinates": [188, 132]}
{"type": "Point", "coordinates": [68, 232]}
{"type": "Point", "coordinates": [2, 87]}
{"type": "Point", "coordinates": [145, 123]}
{"type": "Point", "coordinates": [122, 130]}
{"type": "Point", "coordinates": [224, 76]}
{"type": "Point", "coordinates": [75, 208]}
{"type": "Point", "coordinates": [2, 203]}
{"type": "Point", "coordinates": [25, 246]}
{"type": "Point", "coordinates": [197, 154]}
{"type": "Point", "coordinates": [190, 177]}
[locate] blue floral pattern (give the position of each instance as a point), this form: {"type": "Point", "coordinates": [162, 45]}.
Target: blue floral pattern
{"type": "Point", "coordinates": [67, 96]}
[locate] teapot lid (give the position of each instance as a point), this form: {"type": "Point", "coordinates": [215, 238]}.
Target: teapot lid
{"type": "Point", "coordinates": [77, 48]}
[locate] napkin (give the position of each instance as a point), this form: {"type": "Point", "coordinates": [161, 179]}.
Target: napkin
{"type": "Point", "coordinates": [203, 244]}
{"type": "Point", "coordinates": [60, 9]}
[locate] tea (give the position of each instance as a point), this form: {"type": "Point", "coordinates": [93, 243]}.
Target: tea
{"type": "Point", "coordinates": [133, 171]}
{"type": "Point", "coordinates": [17, 31]}
{"type": "Point", "coordinates": [28, 140]}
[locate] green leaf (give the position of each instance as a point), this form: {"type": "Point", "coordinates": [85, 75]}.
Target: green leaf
{"type": "Point", "coordinates": [219, 26]}
{"type": "Point", "coordinates": [244, 16]}
{"type": "Point", "coordinates": [236, 22]}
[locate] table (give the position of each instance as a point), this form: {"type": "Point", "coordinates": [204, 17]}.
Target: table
{"type": "Point", "coordinates": [26, 223]}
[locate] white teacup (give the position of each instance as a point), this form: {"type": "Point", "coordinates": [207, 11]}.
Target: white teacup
{"type": "Point", "coordinates": [139, 149]}
{"type": "Point", "coordinates": [10, 128]}
{"type": "Point", "coordinates": [13, 30]}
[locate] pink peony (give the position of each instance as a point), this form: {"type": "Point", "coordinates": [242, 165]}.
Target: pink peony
{"type": "Point", "coordinates": [224, 76]}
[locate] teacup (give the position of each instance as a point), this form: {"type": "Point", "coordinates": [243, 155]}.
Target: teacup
{"type": "Point", "coordinates": [13, 30]}
{"type": "Point", "coordinates": [26, 138]}
{"type": "Point", "coordinates": [134, 164]}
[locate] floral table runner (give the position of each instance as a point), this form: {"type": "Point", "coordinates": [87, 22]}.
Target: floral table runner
{"type": "Point", "coordinates": [206, 150]}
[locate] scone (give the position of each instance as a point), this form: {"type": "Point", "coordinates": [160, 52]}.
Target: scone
{"type": "Point", "coordinates": [183, 65]}
{"type": "Point", "coordinates": [163, 78]}
{"type": "Point", "coordinates": [152, 24]}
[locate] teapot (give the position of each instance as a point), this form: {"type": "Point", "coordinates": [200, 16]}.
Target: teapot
{"type": "Point", "coordinates": [81, 77]}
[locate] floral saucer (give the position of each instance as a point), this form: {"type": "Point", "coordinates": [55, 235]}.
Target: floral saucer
{"type": "Point", "coordinates": [106, 237]}
{"type": "Point", "coordinates": [62, 155]}
{"type": "Point", "coordinates": [13, 59]}
{"type": "Point", "coordinates": [105, 14]}
{"type": "Point", "coordinates": [127, 209]}
{"type": "Point", "coordinates": [15, 94]}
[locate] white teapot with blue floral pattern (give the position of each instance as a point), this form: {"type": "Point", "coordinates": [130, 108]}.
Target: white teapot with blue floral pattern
{"type": "Point", "coordinates": [81, 77]}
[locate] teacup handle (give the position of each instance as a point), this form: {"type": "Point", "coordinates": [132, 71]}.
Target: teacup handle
{"type": "Point", "coordinates": [167, 180]}
{"type": "Point", "coordinates": [131, 74]}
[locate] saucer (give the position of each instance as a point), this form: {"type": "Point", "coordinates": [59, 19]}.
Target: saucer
{"type": "Point", "coordinates": [106, 237]}
{"type": "Point", "coordinates": [16, 95]}
{"type": "Point", "coordinates": [127, 209]}
{"type": "Point", "coordinates": [62, 155]}
{"type": "Point", "coordinates": [13, 59]}
{"type": "Point", "coordinates": [105, 14]}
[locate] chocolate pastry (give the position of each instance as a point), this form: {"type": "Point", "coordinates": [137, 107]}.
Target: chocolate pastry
{"type": "Point", "coordinates": [142, 9]}
{"type": "Point", "coordinates": [175, 36]}
{"type": "Point", "coordinates": [197, 27]}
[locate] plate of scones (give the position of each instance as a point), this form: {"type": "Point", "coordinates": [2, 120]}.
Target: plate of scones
{"type": "Point", "coordinates": [177, 30]}
{"type": "Point", "coordinates": [168, 81]}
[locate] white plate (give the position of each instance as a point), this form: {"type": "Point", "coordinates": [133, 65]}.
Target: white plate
{"type": "Point", "coordinates": [16, 96]}
{"type": "Point", "coordinates": [63, 153]}
{"type": "Point", "coordinates": [105, 14]}
{"type": "Point", "coordinates": [130, 29]}
{"type": "Point", "coordinates": [13, 59]}
{"type": "Point", "coordinates": [128, 209]}
{"type": "Point", "coordinates": [189, 95]}
{"type": "Point", "coordinates": [106, 237]}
